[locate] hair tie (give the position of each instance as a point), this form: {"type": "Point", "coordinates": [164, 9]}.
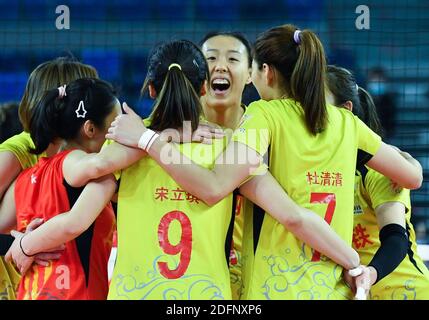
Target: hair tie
{"type": "Point", "coordinates": [296, 36]}
{"type": "Point", "coordinates": [62, 92]}
{"type": "Point", "coordinates": [174, 65]}
{"type": "Point", "coordinates": [80, 111]}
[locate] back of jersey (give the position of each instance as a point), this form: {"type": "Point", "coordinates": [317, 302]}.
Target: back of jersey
{"type": "Point", "coordinates": [170, 244]}
{"type": "Point", "coordinates": [42, 192]}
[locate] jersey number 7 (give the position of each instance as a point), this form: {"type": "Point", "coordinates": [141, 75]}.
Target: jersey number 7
{"type": "Point", "coordinates": [325, 198]}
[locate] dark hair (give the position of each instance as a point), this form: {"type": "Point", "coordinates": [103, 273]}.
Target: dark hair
{"type": "Point", "coordinates": [371, 118]}
{"type": "Point", "coordinates": [342, 84]}
{"type": "Point", "coordinates": [178, 89]}
{"type": "Point", "coordinates": [302, 66]}
{"type": "Point", "coordinates": [49, 75]}
{"type": "Point", "coordinates": [233, 34]}
{"type": "Point", "coordinates": [55, 117]}
{"type": "Point", "coordinates": [9, 120]}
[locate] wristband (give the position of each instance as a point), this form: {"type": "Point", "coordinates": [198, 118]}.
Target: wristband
{"type": "Point", "coordinates": [147, 139]}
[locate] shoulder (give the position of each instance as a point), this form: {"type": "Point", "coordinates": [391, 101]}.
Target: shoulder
{"type": "Point", "coordinates": [257, 105]}
{"type": "Point", "coordinates": [23, 139]}
{"type": "Point", "coordinates": [344, 113]}
{"type": "Point", "coordinates": [71, 156]}
{"type": "Point", "coordinates": [275, 108]}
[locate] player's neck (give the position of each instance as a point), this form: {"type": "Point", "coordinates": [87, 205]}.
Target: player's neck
{"type": "Point", "coordinates": [226, 117]}
{"type": "Point", "coordinates": [279, 92]}
{"type": "Point", "coordinates": [69, 145]}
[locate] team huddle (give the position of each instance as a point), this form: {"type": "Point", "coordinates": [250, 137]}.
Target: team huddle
{"type": "Point", "coordinates": [295, 196]}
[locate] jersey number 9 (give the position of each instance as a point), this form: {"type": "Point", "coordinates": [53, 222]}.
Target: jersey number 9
{"type": "Point", "coordinates": [183, 247]}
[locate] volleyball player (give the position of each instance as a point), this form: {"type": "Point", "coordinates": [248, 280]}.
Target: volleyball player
{"type": "Point", "coordinates": [14, 152]}
{"type": "Point", "coordinates": [79, 114]}
{"type": "Point", "coordinates": [229, 60]}
{"type": "Point", "coordinates": [383, 234]}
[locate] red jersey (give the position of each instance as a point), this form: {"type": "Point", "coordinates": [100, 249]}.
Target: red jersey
{"type": "Point", "coordinates": [81, 272]}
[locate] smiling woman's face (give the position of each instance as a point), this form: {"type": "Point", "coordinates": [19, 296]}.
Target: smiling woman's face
{"type": "Point", "coordinates": [228, 62]}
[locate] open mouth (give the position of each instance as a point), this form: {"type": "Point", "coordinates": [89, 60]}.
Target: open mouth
{"type": "Point", "coordinates": [220, 85]}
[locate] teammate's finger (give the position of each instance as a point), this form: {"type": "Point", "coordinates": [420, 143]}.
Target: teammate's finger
{"type": "Point", "coordinates": [42, 263]}
{"type": "Point", "coordinates": [355, 272]}
{"type": "Point", "coordinates": [34, 224]}
{"type": "Point", "coordinates": [360, 294]}
{"type": "Point", "coordinates": [207, 141]}
{"type": "Point", "coordinates": [48, 256]}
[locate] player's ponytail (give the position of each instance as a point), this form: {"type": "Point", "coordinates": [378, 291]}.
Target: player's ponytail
{"type": "Point", "coordinates": [177, 71]}
{"type": "Point", "coordinates": [177, 102]}
{"type": "Point", "coordinates": [299, 57]}
{"type": "Point", "coordinates": [44, 121]}
{"type": "Point", "coordinates": [307, 82]}
{"type": "Point", "coordinates": [62, 112]}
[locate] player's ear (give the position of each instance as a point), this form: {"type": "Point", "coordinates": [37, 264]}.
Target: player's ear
{"type": "Point", "coordinates": [203, 90]}
{"type": "Point", "coordinates": [269, 74]}
{"type": "Point", "coordinates": [89, 129]}
{"type": "Point", "coordinates": [249, 78]}
{"type": "Point", "coordinates": [348, 105]}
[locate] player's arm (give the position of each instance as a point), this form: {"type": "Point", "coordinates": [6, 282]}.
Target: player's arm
{"type": "Point", "coordinates": [8, 210]}
{"type": "Point", "coordinates": [266, 192]}
{"type": "Point", "coordinates": [209, 185]}
{"type": "Point", "coordinates": [80, 167]}
{"type": "Point", "coordinates": [407, 172]}
{"type": "Point", "coordinates": [10, 167]}
{"type": "Point", "coordinates": [63, 227]}
{"type": "Point", "coordinates": [393, 239]}
{"type": "Point", "coordinates": [67, 226]}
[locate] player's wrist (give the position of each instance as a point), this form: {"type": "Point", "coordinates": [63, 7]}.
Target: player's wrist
{"type": "Point", "coordinates": [146, 140]}
{"type": "Point", "coordinates": [373, 274]}
{"type": "Point", "coordinates": [26, 251]}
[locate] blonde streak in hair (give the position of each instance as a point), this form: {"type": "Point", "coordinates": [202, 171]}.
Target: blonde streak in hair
{"type": "Point", "coordinates": [145, 86]}
{"type": "Point", "coordinates": [196, 96]}
{"type": "Point", "coordinates": [189, 87]}
{"type": "Point", "coordinates": [159, 96]}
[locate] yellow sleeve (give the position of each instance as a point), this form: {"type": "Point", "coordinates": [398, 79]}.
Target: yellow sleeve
{"type": "Point", "coordinates": [380, 190]}
{"type": "Point", "coordinates": [254, 130]}
{"type": "Point", "coordinates": [147, 122]}
{"type": "Point", "coordinates": [260, 171]}
{"type": "Point", "coordinates": [368, 140]}
{"type": "Point", "coordinates": [20, 146]}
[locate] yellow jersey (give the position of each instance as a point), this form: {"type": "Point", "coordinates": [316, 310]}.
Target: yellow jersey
{"type": "Point", "coordinates": [410, 279]}
{"type": "Point", "coordinates": [235, 257]}
{"type": "Point", "coordinates": [318, 173]}
{"type": "Point", "coordinates": [20, 145]}
{"type": "Point", "coordinates": [170, 244]}
{"type": "Point", "coordinates": [9, 280]}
